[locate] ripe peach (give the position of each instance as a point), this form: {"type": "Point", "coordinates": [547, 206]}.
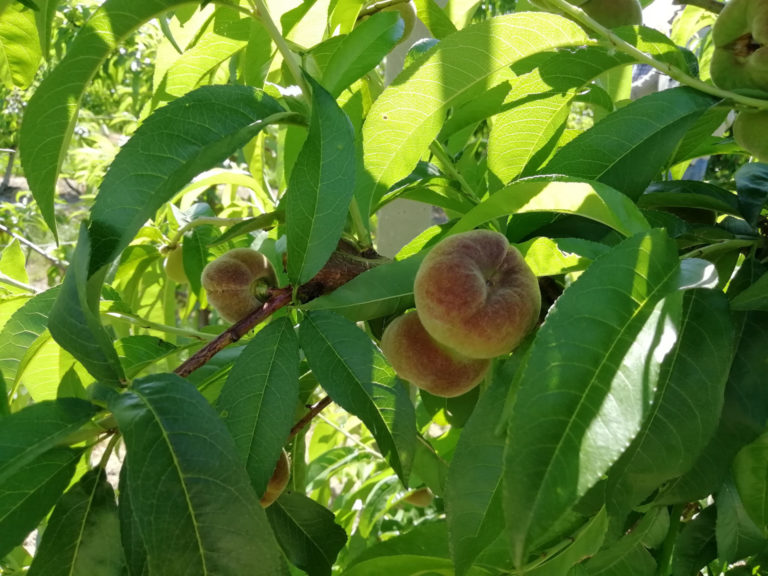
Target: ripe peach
{"type": "Point", "coordinates": [425, 363]}
{"type": "Point", "coordinates": [475, 294]}
{"type": "Point", "coordinates": [740, 36]}
{"type": "Point", "coordinates": [279, 480]}
{"type": "Point", "coordinates": [235, 280]}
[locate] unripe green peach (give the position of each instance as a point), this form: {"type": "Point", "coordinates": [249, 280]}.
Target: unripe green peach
{"type": "Point", "coordinates": [740, 36]}
{"type": "Point", "coordinates": [174, 266]}
{"type": "Point", "coordinates": [420, 498]}
{"type": "Point", "coordinates": [613, 13]}
{"type": "Point", "coordinates": [425, 363]}
{"type": "Point", "coordinates": [407, 10]}
{"type": "Point", "coordinates": [749, 131]}
{"type": "Point", "coordinates": [235, 281]}
{"type": "Point", "coordinates": [278, 481]}
{"type": "Point", "coordinates": [475, 294]}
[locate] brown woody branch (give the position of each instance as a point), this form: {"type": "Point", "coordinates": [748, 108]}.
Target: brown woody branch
{"type": "Point", "coordinates": [307, 418]}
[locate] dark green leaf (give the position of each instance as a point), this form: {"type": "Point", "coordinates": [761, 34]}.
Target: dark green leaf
{"type": "Point", "coordinates": [696, 545]}
{"type": "Point", "coordinates": [27, 496]}
{"type": "Point", "coordinates": [174, 144]}
{"type": "Point", "coordinates": [755, 297]}
{"type": "Point", "coordinates": [583, 545]}
{"type": "Point", "coordinates": [358, 378]}
{"type": "Point", "coordinates": [588, 383]}
{"type": "Point", "coordinates": [686, 406]}
{"type": "Point", "coordinates": [134, 551]}
{"type": "Point", "coordinates": [5, 409]}
{"type": "Point", "coordinates": [320, 188]}
{"type": "Point", "coordinates": [36, 429]}
{"type": "Point", "coordinates": [629, 147]}
{"type": "Point", "coordinates": [195, 255]}
{"type": "Point", "coordinates": [385, 290]}
{"type": "Point", "coordinates": [689, 194]}
{"type": "Point", "coordinates": [75, 323]}
{"type": "Point", "coordinates": [52, 111]}
{"type": "Point", "coordinates": [473, 487]}
{"type": "Point", "coordinates": [750, 475]}
{"type": "Point", "coordinates": [737, 534]}
{"type": "Point", "coordinates": [82, 537]}
{"type": "Point", "coordinates": [258, 400]}
{"type": "Point", "coordinates": [752, 187]}
{"type": "Point", "coordinates": [71, 386]}
{"type": "Point", "coordinates": [194, 505]}
{"type": "Point", "coordinates": [745, 407]}
{"type": "Point", "coordinates": [362, 50]}
{"type": "Point", "coordinates": [310, 537]}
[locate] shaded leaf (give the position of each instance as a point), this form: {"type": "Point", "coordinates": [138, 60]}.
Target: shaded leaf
{"type": "Point", "coordinates": [586, 387]}
{"type": "Point", "coordinates": [358, 378]}
{"type": "Point", "coordinates": [134, 551]}
{"type": "Point", "coordinates": [755, 297]}
{"type": "Point", "coordinates": [193, 503]}
{"type": "Point", "coordinates": [320, 188]}
{"type": "Point", "coordinates": [29, 494]}
{"type": "Point", "coordinates": [82, 537]}
{"type": "Point", "coordinates": [140, 351]}
{"type": "Point", "coordinates": [583, 545]}
{"type": "Point", "coordinates": [752, 187]}
{"type": "Point", "coordinates": [750, 475]}
{"type": "Point", "coordinates": [695, 546]}
{"type": "Point", "coordinates": [258, 400]}
{"type": "Point", "coordinates": [737, 534]}
{"type": "Point", "coordinates": [310, 537]}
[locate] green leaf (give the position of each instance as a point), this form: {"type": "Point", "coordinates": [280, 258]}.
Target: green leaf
{"type": "Point", "coordinates": [750, 475]}
{"type": "Point", "coordinates": [227, 35]}
{"type": "Point", "coordinates": [628, 148]}
{"type": "Point", "coordinates": [75, 323]}
{"type": "Point", "coordinates": [689, 194]}
{"type": "Point", "coordinates": [20, 52]}
{"type": "Point", "coordinates": [752, 187]}
{"type": "Point", "coordinates": [174, 144]}
{"type": "Point", "coordinates": [5, 409]}
{"type": "Point", "coordinates": [745, 406]}
{"type": "Point", "coordinates": [82, 537]}
{"type": "Point", "coordinates": [547, 257]}
{"type": "Point", "coordinates": [686, 405]}
{"type": "Point", "coordinates": [362, 50]}
{"type": "Point", "coordinates": [320, 188]}
{"type": "Point", "coordinates": [473, 487]}
{"type": "Point", "coordinates": [434, 18]}
{"type": "Point", "coordinates": [397, 132]}
{"type": "Point", "coordinates": [52, 111]}
{"type": "Point", "coordinates": [258, 400]}
{"type": "Point", "coordinates": [381, 291]}
{"type": "Point", "coordinates": [193, 503]}
{"type": "Point", "coordinates": [629, 556]}
{"type": "Point", "coordinates": [587, 384]}
{"type": "Point", "coordinates": [134, 551]}
{"type": "Point", "coordinates": [583, 545]}
{"type": "Point", "coordinates": [753, 298]}
{"type": "Point", "coordinates": [140, 351]}
{"type": "Point", "coordinates": [13, 264]}
{"type": "Point", "coordinates": [310, 537]}
{"type": "Point", "coordinates": [695, 546]}
{"type": "Point", "coordinates": [358, 378]}
{"type": "Point", "coordinates": [25, 327]}
{"type": "Point", "coordinates": [588, 199]}
{"type": "Point", "coordinates": [737, 534]}
{"type": "Point", "coordinates": [27, 496]}
{"type": "Point", "coordinates": [30, 432]}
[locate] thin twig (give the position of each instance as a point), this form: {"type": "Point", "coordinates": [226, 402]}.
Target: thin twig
{"type": "Point", "coordinates": [61, 264]}
{"type": "Point", "coordinates": [307, 418]}
{"type": "Point", "coordinates": [150, 325]}
{"type": "Point", "coordinates": [711, 5]}
{"type": "Point", "coordinates": [280, 298]}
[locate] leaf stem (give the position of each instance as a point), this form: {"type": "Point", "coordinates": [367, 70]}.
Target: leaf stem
{"type": "Point", "coordinates": [722, 246]}
{"type": "Point", "coordinates": [150, 325]}
{"type": "Point", "coordinates": [361, 230]}
{"type": "Point", "coordinates": [61, 264]}
{"type": "Point", "coordinates": [675, 73]}
{"type": "Point", "coordinates": [17, 284]}
{"type": "Point", "coordinates": [282, 45]}
{"type": "Point", "coordinates": [446, 164]}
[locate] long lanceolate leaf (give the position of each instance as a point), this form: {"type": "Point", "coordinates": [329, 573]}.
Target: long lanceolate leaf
{"type": "Point", "coordinates": [357, 377]}
{"type": "Point", "coordinates": [50, 116]}
{"type": "Point", "coordinates": [409, 114]}
{"type": "Point", "coordinates": [192, 500]}
{"type": "Point", "coordinates": [186, 137]}
{"type": "Point", "coordinates": [588, 382]}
